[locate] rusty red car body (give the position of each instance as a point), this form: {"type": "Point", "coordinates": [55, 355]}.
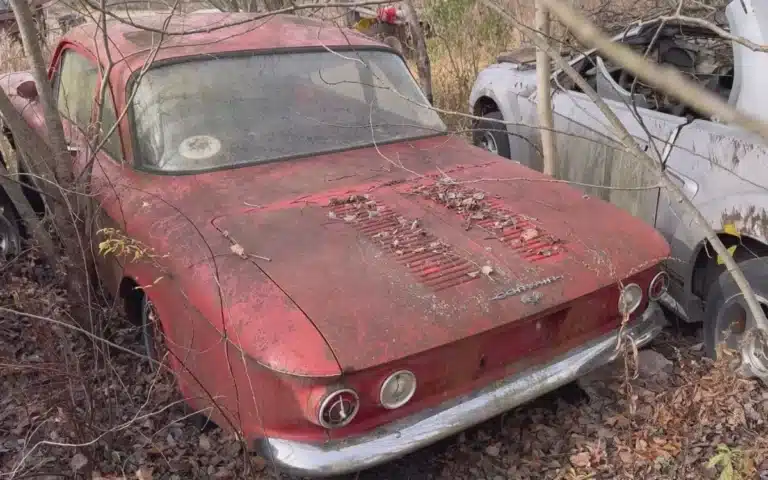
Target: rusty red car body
{"type": "Point", "coordinates": [278, 283]}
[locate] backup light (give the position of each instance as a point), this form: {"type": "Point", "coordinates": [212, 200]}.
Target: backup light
{"type": "Point", "coordinates": [397, 389]}
{"type": "Point", "coordinates": [630, 298]}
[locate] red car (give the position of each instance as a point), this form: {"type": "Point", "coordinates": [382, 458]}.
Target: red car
{"type": "Point", "coordinates": [337, 276]}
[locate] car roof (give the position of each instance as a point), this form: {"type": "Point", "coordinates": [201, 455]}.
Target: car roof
{"type": "Point", "coordinates": [133, 40]}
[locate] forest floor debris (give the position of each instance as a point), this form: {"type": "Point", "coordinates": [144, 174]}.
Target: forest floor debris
{"type": "Point", "coordinates": [687, 418]}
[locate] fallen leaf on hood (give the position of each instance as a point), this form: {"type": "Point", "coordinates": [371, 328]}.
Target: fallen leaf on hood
{"type": "Point", "coordinates": [238, 250]}
{"type": "Point", "coordinates": [529, 234]}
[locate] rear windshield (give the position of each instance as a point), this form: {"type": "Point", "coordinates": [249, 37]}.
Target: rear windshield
{"type": "Point", "coordinates": [219, 112]}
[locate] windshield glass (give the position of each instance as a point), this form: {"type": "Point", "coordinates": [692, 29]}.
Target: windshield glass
{"type": "Point", "coordinates": [208, 113]}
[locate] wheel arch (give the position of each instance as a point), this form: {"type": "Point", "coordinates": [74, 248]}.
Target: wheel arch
{"type": "Point", "coordinates": [484, 104]}
{"type": "Point", "coordinates": [705, 269]}
{"type": "Point", "coordinates": [131, 293]}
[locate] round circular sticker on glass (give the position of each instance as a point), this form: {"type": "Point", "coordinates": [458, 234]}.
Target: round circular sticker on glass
{"type": "Point", "coordinates": [200, 147]}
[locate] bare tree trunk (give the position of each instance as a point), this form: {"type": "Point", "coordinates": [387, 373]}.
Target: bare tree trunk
{"type": "Point", "coordinates": [544, 92]}
{"type": "Point", "coordinates": [65, 215]}
{"type": "Point", "coordinates": [420, 44]}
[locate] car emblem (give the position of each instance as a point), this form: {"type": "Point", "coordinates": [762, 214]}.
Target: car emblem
{"type": "Point", "coordinates": [524, 287]}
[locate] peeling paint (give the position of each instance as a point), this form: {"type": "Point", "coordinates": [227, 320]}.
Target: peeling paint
{"type": "Point", "coordinates": [752, 220]}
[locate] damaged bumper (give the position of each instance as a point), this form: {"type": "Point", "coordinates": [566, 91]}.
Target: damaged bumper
{"type": "Point", "coordinates": [424, 428]}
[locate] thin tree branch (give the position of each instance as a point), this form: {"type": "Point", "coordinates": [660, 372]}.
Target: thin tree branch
{"type": "Point", "coordinates": [579, 24]}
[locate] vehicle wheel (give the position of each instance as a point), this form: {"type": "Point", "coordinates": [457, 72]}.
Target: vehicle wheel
{"type": "Point", "coordinates": [727, 318]}
{"type": "Point", "coordinates": [155, 348]}
{"type": "Point", "coordinates": [10, 236]}
{"type": "Point", "coordinates": [491, 135]}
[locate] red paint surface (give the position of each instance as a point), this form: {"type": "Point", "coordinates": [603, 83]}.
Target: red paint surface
{"type": "Point", "coordinates": [335, 305]}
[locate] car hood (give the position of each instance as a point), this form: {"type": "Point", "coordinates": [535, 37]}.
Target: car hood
{"type": "Point", "coordinates": [392, 269]}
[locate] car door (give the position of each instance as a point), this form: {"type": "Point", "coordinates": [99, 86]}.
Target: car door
{"type": "Point", "coordinates": [107, 183]}
{"type": "Point", "coordinates": [76, 83]}
{"type": "Point", "coordinates": [589, 153]}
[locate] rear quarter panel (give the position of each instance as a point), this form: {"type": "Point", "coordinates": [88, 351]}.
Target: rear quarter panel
{"type": "Point", "coordinates": [722, 169]}
{"type": "Point", "coordinates": [512, 90]}
{"type": "Point", "coordinates": [31, 112]}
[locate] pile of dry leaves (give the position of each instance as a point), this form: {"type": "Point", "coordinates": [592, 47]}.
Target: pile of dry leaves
{"type": "Point", "coordinates": [75, 407]}
{"type": "Point", "coordinates": [72, 407]}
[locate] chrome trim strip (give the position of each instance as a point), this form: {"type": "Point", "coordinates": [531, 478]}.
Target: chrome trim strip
{"type": "Point", "coordinates": [408, 434]}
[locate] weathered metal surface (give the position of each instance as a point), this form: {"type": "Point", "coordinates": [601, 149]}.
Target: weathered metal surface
{"type": "Point", "coordinates": [409, 316]}
{"type": "Point", "coordinates": [456, 414]}
{"type": "Point", "coordinates": [720, 168]}
{"type": "Point", "coordinates": [520, 232]}
{"type": "Point", "coordinates": [336, 304]}
{"type": "Point", "coordinates": [589, 154]}
{"type": "Point", "coordinates": [433, 262]}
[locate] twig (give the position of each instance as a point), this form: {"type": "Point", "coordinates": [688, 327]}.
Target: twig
{"type": "Point", "coordinates": [578, 24]}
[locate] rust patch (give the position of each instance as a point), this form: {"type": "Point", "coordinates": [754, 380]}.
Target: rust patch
{"type": "Point", "coordinates": [429, 259]}
{"type": "Point", "coordinates": [752, 221]}
{"type": "Point", "coordinates": [479, 209]}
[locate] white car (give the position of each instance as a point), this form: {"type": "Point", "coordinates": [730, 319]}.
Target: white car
{"type": "Point", "coordinates": [723, 169]}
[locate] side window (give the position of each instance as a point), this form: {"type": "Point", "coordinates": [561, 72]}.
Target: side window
{"type": "Point", "coordinates": [76, 88]}
{"type": "Point", "coordinates": [112, 145]}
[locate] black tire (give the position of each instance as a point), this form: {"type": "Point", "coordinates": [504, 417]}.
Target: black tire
{"type": "Point", "coordinates": [726, 309]}
{"type": "Point", "coordinates": [10, 228]}
{"type": "Point", "coordinates": [491, 135]}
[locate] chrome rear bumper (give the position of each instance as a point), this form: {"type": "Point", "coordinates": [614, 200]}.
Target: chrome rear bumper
{"type": "Point", "coordinates": [424, 428]}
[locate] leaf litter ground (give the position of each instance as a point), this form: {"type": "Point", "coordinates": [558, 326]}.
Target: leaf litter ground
{"type": "Point", "coordinates": [680, 417]}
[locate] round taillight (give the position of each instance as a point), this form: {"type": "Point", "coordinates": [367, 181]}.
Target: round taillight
{"type": "Point", "coordinates": [338, 408]}
{"type": "Point", "coordinates": [630, 298]}
{"type": "Point", "coordinates": [397, 389]}
{"type": "Point", "coordinates": [658, 286]}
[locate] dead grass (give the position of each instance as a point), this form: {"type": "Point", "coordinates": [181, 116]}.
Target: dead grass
{"type": "Point", "coordinates": [467, 38]}
{"type": "Point", "coordinates": [11, 55]}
